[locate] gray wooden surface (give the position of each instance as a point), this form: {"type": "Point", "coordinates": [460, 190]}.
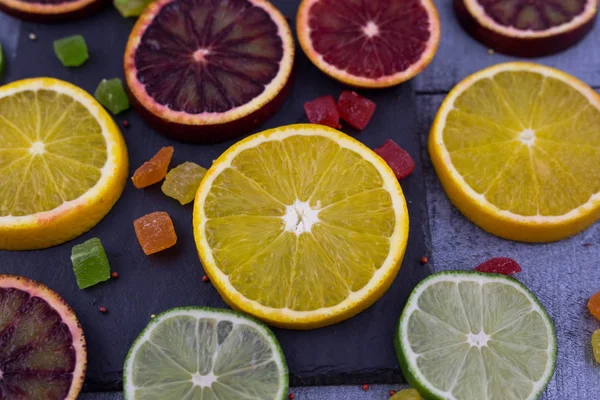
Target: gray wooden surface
{"type": "Point", "coordinates": [459, 55]}
{"type": "Point", "coordinates": [563, 275]}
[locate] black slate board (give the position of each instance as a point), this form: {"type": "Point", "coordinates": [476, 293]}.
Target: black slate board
{"type": "Point", "coordinates": [352, 352]}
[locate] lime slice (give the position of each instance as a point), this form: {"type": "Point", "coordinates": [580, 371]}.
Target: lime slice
{"type": "Point", "coordinates": [473, 336]}
{"type": "Point", "coordinates": [198, 353]}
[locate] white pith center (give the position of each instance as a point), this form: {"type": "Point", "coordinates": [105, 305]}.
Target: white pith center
{"type": "Point", "coordinates": [371, 29]}
{"type": "Point", "coordinates": [480, 339]}
{"type": "Point", "coordinates": [527, 137]}
{"type": "Point", "coordinates": [203, 380]}
{"type": "Point", "coordinates": [300, 217]}
{"type": "Point", "coordinates": [200, 55]}
{"type": "Point", "coordinates": [37, 148]}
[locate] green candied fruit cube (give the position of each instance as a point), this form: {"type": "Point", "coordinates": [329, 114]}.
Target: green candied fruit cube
{"type": "Point", "coordinates": [181, 183]}
{"type": "Point", "coordinates": [110, 94]}
{"type": "Point", "coordinates": [71, 51]}
{"type": "Point", "coordinates": [131, 8]}
{"type": "Point", "coordinates": [90, 263]}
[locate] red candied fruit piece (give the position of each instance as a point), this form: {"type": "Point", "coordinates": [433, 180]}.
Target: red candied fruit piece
{"type": "Point", "coordinates": [499, 265]}
{"type": "Point", "coordinates": [397, 158]}
{"type": "Point", "coordinates": [323, 111]}
{"type": "Point", "coordinates": [355, 110]}
{"type": "Point", "coordinates": [153, 170]}
{"type": "Point", "coordinates": [594, 305]}
{"type": "Point", "coordinates": [155, 232]}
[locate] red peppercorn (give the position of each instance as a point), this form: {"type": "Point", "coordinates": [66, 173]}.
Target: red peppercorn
{"type": "Point", "coordinates": [365, 387]}
{"type": "Point", "coordinates": [114, 275]}
{"type": "Point", "coordinates": [126, 123]}
{"type": "Point", "coordinates": [392, 392]}
{"type": "Point", "coordinates": [103, 310]}
{"type": "Point", "coordinates": [424, 260]}
{"type": "Point", "coordinates": [291, 396]}
{"type": "Point", "coordinates": [205, 278]}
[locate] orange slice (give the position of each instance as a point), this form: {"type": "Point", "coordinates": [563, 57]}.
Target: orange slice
{"type": "Point", "coordinates": [374, 44]}
{"type": "Point", "coordinates": [63, 163]}
{"type": "Point", "coordinates": [43, 348]}
{"type": "Point", "coordinates": [210, 70]}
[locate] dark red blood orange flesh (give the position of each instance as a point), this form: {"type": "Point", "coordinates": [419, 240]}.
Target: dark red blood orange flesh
{"type": "Point", "coordinates": [50, 10]}
{"type": "Point", "coordinates": [527, 28]}
{"type": "Point", "coordinates": [376, 43]}
{"type": "Point", "coordinates": [205, 70]}
{"type": "Point", "coordinates": [42, 348]}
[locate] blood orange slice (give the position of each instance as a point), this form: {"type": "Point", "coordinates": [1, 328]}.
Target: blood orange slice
{"type": "Point", "coordinates": [369, 44]}
{"type": "Point", "coordinates": [527, 28]}
{"type": "Point", "coordinates": [206, 71]}
{"type": "Point", "coordinates": [50, 10]}
{"type": "Point", "coordinates": [42, 348]}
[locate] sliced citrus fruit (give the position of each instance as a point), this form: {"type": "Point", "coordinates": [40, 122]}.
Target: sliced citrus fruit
{"type": "Point", "coordinates": [301, 226]}
{"type": "Point", "coordinates": [43, 353]}
{"type": "Point", "coordinates": [209, 70]}
{"type": "Point", "coordinates": [517, 148]}
{"type": "Point", "coordinates": [50, 10]}
{"type": "Point", "coordinates": [374, 44]}
{"type": "Point", "coordinates": [527, 28]}
{"type": "Point", "coordinates": [472, 336]}
{"type": "Point", "coordinates": [63, 163]}
{"type": "Point", "coordinates": [203, 353]}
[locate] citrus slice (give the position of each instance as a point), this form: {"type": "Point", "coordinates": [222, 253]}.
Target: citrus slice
{"type": "Point", "coordinates": [43, 353]}
{"type": "Point", "coordinates": [63, 163]}
{"type": "Point", "coordinates": [49, 10]}
{"type": "Point", "coordinates": [472, 336]}
{"type": "Point", "coordinates": [301, 226]}
{"type": "Point", "coordinates": [203, 353]}
{"type": "Point", "coordinates": [527, 28]}
{"type": "Point", "coordinates": [209, 70]}
{"type": "Point", "coordinates": [378, 44]}
{"type": "Point", "coordinates": [517, 148]}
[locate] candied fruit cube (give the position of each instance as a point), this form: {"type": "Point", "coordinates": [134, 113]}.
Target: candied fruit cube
{"type": "Point", "coordinates": [397, 158]}
{"type": "Point", "coordinates": [131, 8]}
{"type": "Point", "coordinates": [110, 94]}
{"type": "Point", "coordinates": [594, 305]}
{"type": "Point", "coordinates": [355, 110]}
{"type": "Point", "coordinates": [407, 394]}
{"type": "Point", "coordinates": [596, 345]}
{"type": "Point", "coordinates": [153, 170]}
{"type": "Point", "coordinates": [323, 111]}
{"type": "Point", "coordinates": [90, 263]}
{"type": "Point", "coordinates": [155, 232]}
{"type": "Point", "coordinates": [499, 265]}
{"type": "Point", "coordinates": [71, 51]}
{"type": "Point", "coordinates": [182, 182]}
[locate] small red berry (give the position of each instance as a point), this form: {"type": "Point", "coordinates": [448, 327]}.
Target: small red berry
{"type": "Point", "coordinates": [205, 278]}
{"type": "Point", "coordinates": [114, 275]}
{"type": "Point", "coordinates": [365, 387]}
{"type": "Point", "coordinates": [291, 396]}
{"type": "Point", "coordinates": [392, 392]}
{"type": "Point", "coordinates": [126, 123]}
{"type": "Point", "coordinates": [103, 310]}
{"type": "Point", "coordinates": [424, 260]}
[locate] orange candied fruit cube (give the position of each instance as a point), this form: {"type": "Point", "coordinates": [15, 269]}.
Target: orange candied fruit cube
{"type": "Point", "coordinates": [153, 170]}
{"type": "Point", "coordinates": [594, 305]}
{"type": "Point", "coordinates": [155, 232]}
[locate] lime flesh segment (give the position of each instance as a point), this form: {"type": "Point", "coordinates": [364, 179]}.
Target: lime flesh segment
{"type": "Point", "coordinates": [52, 151]}
{"type": "Point", "coordinates": [527, 142]}
{"type": "Point", "coordinates": [200, 353]}
{"type": "Point", "coordinates": [472, 336]}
